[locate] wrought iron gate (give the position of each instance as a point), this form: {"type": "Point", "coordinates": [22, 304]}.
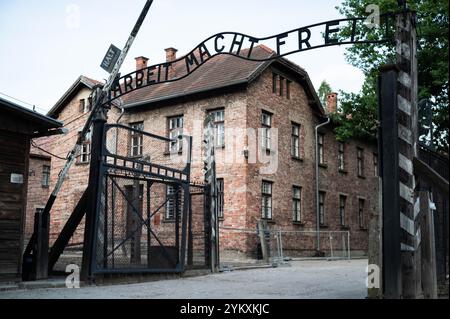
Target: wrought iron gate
{"type": "Point", "coordinates": [145, 215]}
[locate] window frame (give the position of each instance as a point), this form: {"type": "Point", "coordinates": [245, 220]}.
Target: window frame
{"type": "Point", "coordinates": [341, 156]}
{"type": "Point", "coordinates": [296, 204]}
{"type": "Point", "coordinates": [140, 138]}
{"type": "Point", "coordinates": [266, 142]}
{"type": "Point", "coordinates": [275, 77]}
{"type": "Point", "coordinates": [342, 209]}
{"type": "Point", "coordinates": [361, 212]}
{"type": "Point", "coordinates": [360, 161]}
{"type": "Point", "coordinates": [84, 157]}
{"type": "Point", "coordinates": [85, 153]}
{"type": "Point", "coordinates": [321, 148]}
{"type": "Point", "coordinates": [46, 171]}
{"type": "Point", "coordinates": [322, 211]}
{"type": "Point", "coordinates": [82, 106]}
{"type": "Point", "coordinates": [178, 130]}
{"type": "Point", "coordinates": [288, 89]}
{"type": "Point", "coordinates": [217, 124]}
{"type": "Point", "coordinates": [295, 140]}
{"type": "Point", "coordinates": [266, 210]}
{"type": "Point", "coordinates": [376, 170]}
{"type": "Point", "coordinates": [282, 80]}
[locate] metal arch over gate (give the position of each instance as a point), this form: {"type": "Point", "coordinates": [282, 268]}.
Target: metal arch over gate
{"type": "Point", "coordinates": [232, 43]}
{"type": "Point", "coordinates": [139, 177]}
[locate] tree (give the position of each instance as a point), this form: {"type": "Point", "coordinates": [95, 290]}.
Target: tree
{"type": "Point", "coordinates": [323, 90]}
{"type": "Point", "coordinates": [432, 55]}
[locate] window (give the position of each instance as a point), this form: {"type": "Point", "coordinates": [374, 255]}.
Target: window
{"type": "Point", "coordinates": [219, 127]}
{"type": "Point", "coordinates": [375, 164]}
{"type": "Point", "coordinates": [266, 122]}
{"type": "Point", "coordinates": [45, 175]}
{"type": "Point", "coordinates": [281, 85]}
{"type": "Point", "coordinates": [274, 82]}
{"type": "Point", "coordinates": [85, 151]}
{"type": "Point", "coordinates": [295, 140]}
{"type": "Point", "coordinates": [322, 208]}
{"type": "Point", "coordinates": [288, 89]}
{"type": "Point", "coordinates": [266, 204]}
{"type": "Point", "coordinates": [175, 130]}
{"type": "Point", "coordinates": [82, 105]}
{"type": "Point", "coordinates": [360, 162]}
{"type": "Point", "coordinates": [297, 203]}
{"type": "Point", "coordinates": [341, 157]}
{"type": "Point", "coordinates": [320, 140]}
{"type": "Point", "coordinates": [136, 139]}
{"type": "Point", "coordinates": [361, 203]}
{"type": "Point", "coordinates": [220, 198]}
{"type": "Point", "coordinates": [89, 104]}
{"type": "Point", "coordinates": [85, 105]}
{"type": "Point", "coordinates": [342, 201]}
{"type": "Point", "coordinates": [172, 202]}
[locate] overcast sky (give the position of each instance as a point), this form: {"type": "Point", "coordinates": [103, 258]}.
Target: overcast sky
{"type": "Point", "coordinates": [45, 45]}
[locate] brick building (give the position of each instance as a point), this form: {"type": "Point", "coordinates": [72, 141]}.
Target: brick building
{"type": "Point", "coordinates": [265, 114]}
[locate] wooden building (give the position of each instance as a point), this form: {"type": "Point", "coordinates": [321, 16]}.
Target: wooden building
{"type": "Point", "coordinates": [18, 126]}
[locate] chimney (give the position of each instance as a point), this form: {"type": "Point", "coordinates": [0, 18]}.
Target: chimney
{"type": "Point", "coordinates": [141, 62]}
{"type": "Point", "coordinates": [332, 102]}
{"type": "Point", "coordinates": [171, 55]}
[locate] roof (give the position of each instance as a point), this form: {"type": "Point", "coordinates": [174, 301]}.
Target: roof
{"type": "Point", "coordinates": [219, 72]}
{"type": "Point", "coordinates": [81, 81]}
{"type": "Point", "coordinates": [37, 122]}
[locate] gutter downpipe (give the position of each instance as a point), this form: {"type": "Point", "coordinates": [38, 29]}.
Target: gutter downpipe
{"type": "Point", "coordinates": [317, 184]}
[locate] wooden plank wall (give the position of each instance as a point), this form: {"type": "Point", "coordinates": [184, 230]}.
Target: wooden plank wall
{"type": "Point", "coordinates": [14, 154]}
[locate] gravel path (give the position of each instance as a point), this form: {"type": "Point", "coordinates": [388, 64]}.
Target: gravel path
{"type": "Point", "coordinates": [302, 279]}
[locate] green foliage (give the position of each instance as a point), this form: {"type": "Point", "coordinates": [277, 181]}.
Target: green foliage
{"type": "Point", "coordinates": [358, 116]}
{"type": "Point", "coordinates": [323, 90]}
{"type": "Point", "coordinates": [432, 55]}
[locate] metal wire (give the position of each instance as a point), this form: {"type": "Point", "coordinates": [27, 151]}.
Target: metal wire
{"type": "Point", "coordinates": [45, 151]}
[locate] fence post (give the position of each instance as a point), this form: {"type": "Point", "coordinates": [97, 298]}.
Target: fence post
{"type": "Point", "coordinates": [429, 277]}
{"type": "Point", "coordinates": [375, 234]}
{"type": "Point", "coordinates": [262, 225]}
{"type": "Point", "coordinates": [348, 245]}
{"type": "Point", "coordinates": [41, 229]}
{"type": "Point", "coordinates": [281, 246]}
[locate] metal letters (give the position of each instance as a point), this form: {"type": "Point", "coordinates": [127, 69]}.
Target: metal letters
{"type": "Point", "coordinates": [314, 36]}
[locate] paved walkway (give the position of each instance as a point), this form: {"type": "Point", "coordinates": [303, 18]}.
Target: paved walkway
{"type": "Point", "coordinates": [303, 279]}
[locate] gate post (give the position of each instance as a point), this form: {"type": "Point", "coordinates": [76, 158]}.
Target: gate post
{"type": "Point", "coordinates": [94, 195]}
{"type": "Point", "coordinates": [388, 153]}
{"type": "Point", "coordinates": [40, 247]}
{"type": "Point", "coordinates": [398, 141]}
{"type": "Point", "coordinates": [211, 192]}
{"type": "Point", "coordinates": [407, 141]}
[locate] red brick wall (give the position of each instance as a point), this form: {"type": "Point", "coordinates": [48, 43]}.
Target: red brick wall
{"type": "Point", "coordinates": [301, 173]}
{"type": "Point", "coordinates": [242, 177]}
{"type": "Point", "coordinates": [37, 194]}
